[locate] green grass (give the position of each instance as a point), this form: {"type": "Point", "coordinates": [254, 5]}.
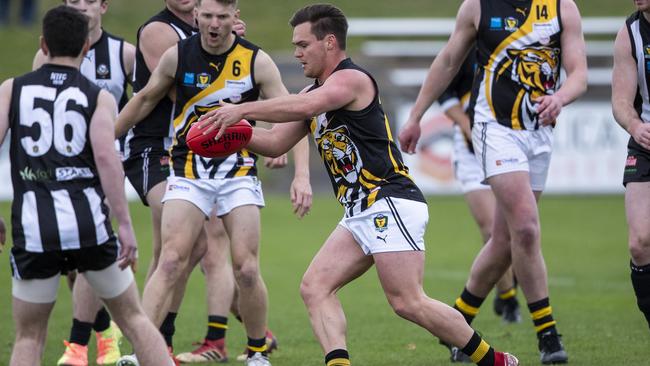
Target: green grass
{"type": "Point", "coordinates": [584, 245]}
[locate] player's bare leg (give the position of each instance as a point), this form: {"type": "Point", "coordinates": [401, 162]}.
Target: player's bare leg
{"type": "Point", "coordinates": [154, 199]}
{"type": "Point", "coordinates": [128, 314]}
{"type": "Point", "coordinates": [30, 321]}
{"type": "Point", "coordinates": [339, 261]}
{"type": "Point", "coordinates": [243, 227]}
{"type": "Point", "coordinates": [181, 225]}
{"type": "Point", "coordinates": [637, 209]}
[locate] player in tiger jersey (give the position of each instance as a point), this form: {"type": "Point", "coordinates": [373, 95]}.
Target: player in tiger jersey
{"type": "Point", "coordinates": [215, 64]}
{"type": "Point", "coordinates": [64, 165]}
{"type": "Point", "coordinates": [631, 105]}
{"type": "Point", "coordinates": [109, 64]}
{"type": "Point", "coordinates": [480, 200]}
{"type": "Point", "coordinates": [516, 99]}
{"type": "Point", "coordinates": [385, 214]}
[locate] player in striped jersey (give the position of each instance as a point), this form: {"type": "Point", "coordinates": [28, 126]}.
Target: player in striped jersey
{"type": "Point", "coordinates": [516, 99]}
{"type": "Point", "coordinates": [63, 165]}
{"type": "Point", "coordinates": [385, 214]}
{"type": "Point", "coordinates": [109, 64]}
{"type": "Point", "coordinates": [631, 104]}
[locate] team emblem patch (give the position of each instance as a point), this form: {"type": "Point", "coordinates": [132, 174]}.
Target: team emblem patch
{"type": "Point", "coordinates": [102, 70]}
{"type": "Point", "coordinates": [203, 80]}
{"type": "Point", "coordinates": [511, 24]}
{"type": "Point", "coordinates": [381, 223]}
{"type": "Point", "coordinates": [646, 51]}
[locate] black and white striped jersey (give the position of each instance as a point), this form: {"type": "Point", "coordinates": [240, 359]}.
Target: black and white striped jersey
{"type": "Point", "coordinates": [58, 199]}
{"type": "Point", "coordinates": [104, 66]}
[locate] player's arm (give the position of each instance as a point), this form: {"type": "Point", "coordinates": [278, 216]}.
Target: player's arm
{"type": "Point", "coordinates": [111, 174]}
{"type": "Point", "coordinates": [128, 60]}
{"type": "Point", "coordinates": [277, 140]}
{"type": "Point", "coordinates": [39, 59]}
{"type": "Point", "coordinates": [146, 99]}
{"type": "Point", "coordinates": [624, 89]}
{"type": "Point", "coordinates": [441, 71]}
{"type": "Point", "coordinates": [574, 62]}
{"type": "Point", "coordinates": [5, 103]}
{"type": "Point", "coordinates": [341, 89]}
{"type": "Point", "coordinates": [452, 106]}
{"type": "Point", "coordinates": [271, 86]}
{"type": "Point", "coordinates": [155, 39]}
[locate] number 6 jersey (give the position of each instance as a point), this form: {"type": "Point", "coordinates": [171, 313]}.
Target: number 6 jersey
{"type": "Point", "coordinates": [58, 200]}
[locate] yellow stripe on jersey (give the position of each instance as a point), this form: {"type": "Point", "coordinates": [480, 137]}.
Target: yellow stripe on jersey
{"type": "Point", "coordinates": [465, 98]}
{"type": "Point", "coordinates": [396, 167]}
{"type": "Point", "coordinates": [525, 29]}
{"type": "Point", "coordinates": [341, 192]}
{"type": "Point", "coordinates": [370, 176]}
{"type": "Point", "coordinates": [313, 124]}
{"type": "Point", "coordinates": [189, 163]}
{"type": "Point", "coordinates": [242, 171]}
{"type": "Point", "coordinates": [516, 121]}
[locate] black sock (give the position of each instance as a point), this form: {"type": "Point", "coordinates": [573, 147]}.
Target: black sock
{"type": "Point", "coordinates": [167, 329]}
{"type": "Point", "coordinates": [479, 351]}
{"type": "Point", "coordinates": [641, 282]}
{"type": "Point", "coordinates": [338, 357]}
{"type": "Point", "coordinates": [217, 326]}
{"type": "Point", "coordinates": [542, 317]}
{"type": "Point", "coordinates": [80, 332]}
{"type": "Point", "coordinates": [102, 320]}
{"type": "Point", "coordinates": [256, 345]}
{"type": "Point", "coordinates": [468, 305]}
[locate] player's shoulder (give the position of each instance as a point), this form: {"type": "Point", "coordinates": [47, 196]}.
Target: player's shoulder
{"type": "Point", "coordinates": [248, 44]}
{"type": "Point", "coordinates": [157, 30]}
{"type": "Point", "coordinates": [112, 36]}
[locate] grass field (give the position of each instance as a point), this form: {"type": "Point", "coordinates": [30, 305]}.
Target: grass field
{"type": "Point", "coordinates": [584, 245]}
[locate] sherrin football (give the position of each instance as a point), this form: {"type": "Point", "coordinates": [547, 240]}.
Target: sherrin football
{"type": "Point", "coordinates": [235, 138]}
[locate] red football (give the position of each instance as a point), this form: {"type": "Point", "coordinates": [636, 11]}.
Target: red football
{"type": "Point", "coordinates": [235, 138]}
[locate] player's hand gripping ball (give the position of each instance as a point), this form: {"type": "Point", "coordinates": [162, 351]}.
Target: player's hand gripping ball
{"type": "Point", "coordinates": [235, 138]}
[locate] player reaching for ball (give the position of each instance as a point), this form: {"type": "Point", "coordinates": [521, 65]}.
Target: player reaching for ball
{"type": "Point", "coordinates": [201, 70]}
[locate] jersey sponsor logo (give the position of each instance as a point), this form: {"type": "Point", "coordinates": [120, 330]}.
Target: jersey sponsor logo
{"type": "Point", "coordinates": [58, 78]}
{"type": "Point", "coordinates": [188, 78]}
{"type": "Point", "coordinates": [103, 71]}
{"type": "Point", "coordinates": [381, 223]}
{"type": "Point", "coordinates": [203, 80]}
{"type": "Point", "coordinates": [340, 155]}
{"type": "Point", "coordinates": [631, 161]}
{"type": "Point", "coordinates": [496, 23]}
{"type": "Point", "coordinates": [511, 24]}
{"type": "Point", "coordinates": [68, 173]}
{"type": "Point", "coordinates": [237, 87]}
{"type": "Point", "coordinates": [38, 175]}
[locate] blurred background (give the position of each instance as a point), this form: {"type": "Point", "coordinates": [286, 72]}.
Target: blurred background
{"type": "Point", "coordinates": [396, 41]}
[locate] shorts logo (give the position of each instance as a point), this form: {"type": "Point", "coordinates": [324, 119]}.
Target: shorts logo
{"type": "Point", "coordinates": [188, 79]}
{"type": "Point", "coordinates": [203, 80]}
{"type": "Point", "coordinates": [381, 223]}
{"type": "Point", "coordinates": [501, 162]}
{"type": "Point", "coordinates": [495, 23]}
{"type": "Point", "coordinates": [631, 161]}
{"type": "Point", "coordinates": [511, 24]}
{"type": "Point", "coordinates": [176, 187]}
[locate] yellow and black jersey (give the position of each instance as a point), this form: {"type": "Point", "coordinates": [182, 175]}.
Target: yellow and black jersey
{"type": "Point", "coordinates": [519, 57]}
{"type": "Point", "coordinates": [202, 80]}
{"type": "Point", "coordinates": [360, 156]}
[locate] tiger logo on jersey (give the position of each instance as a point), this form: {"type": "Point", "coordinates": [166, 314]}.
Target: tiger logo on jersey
{"type": "Point", "coordinates": [537, 70]}
{"type": "Point", "coordinates": [340, 154]}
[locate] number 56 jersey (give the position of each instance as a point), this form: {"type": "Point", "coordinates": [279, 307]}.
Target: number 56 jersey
{"type": "Point", "coordinates": [58, 200]}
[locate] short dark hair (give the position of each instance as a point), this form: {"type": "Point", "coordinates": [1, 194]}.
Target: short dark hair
{"type": "Point", "coordinates": [65, 31]}
{"type": "Point", "coordinates": [222, 2]}
{"type": "Point", "coordinates": [325, 19]}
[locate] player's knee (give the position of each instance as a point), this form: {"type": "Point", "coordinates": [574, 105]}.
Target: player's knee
{"type": "Point", "coordinates": [406, 307]}
{"type": "Point", "coordinates": [247, 274]}
{"type": "Point", "coordinates": [640, 247]}
{"type": "Point", "coordinates": [310, 292]}
{"type": "Point", "coordinates": [171, 265]}
{"type": "Point", "coordinates": [526, 235]}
